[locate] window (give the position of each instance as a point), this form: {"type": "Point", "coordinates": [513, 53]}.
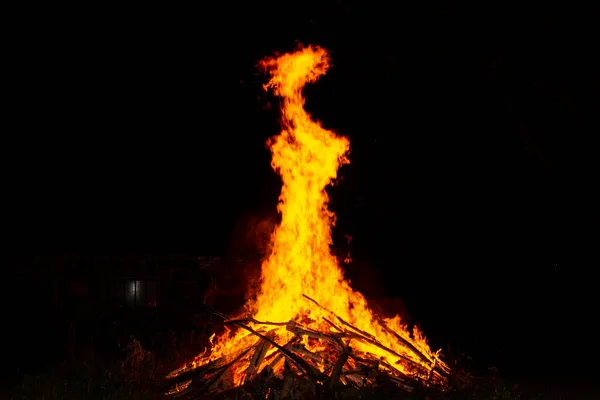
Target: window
{"type": "Point", "coordinates": [137, 293]}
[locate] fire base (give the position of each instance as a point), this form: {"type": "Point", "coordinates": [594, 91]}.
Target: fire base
{"type": "Point", "coordinates": [269, 369]}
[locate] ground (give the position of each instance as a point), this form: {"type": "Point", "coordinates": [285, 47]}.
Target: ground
{"type": "Point", "coordinates": [141, 358]}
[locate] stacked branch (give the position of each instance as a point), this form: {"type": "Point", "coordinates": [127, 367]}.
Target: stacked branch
{"type": "Point", "coordinates": [276, 370]}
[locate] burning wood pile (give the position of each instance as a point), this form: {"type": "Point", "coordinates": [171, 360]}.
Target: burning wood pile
{"type": "Point", "coordinates": [309, 333]}
{"type": "Point", "coordinates": [273, 368]}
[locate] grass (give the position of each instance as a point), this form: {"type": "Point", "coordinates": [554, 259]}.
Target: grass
{"type": "Point", "coordinates": [134, 376]}
{"type": "Point", "coordinates": [98, 378]}
{"type": "Point", "coordinates": [93, 374]}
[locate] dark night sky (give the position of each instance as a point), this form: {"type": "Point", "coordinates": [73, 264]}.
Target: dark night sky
{"type": "Point", "coordinates": [473, 166]}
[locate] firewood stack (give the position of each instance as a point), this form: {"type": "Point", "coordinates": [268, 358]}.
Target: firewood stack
{"type": "Point", "coordinates": [277, 370]}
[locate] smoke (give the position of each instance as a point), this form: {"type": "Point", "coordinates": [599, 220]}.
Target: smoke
{"type": "Point", "coordinates": [252, 235]}
{"type": "Point", "coordinates": [260, 231]}
{"type": "Point", "coordinates": [249, 244]}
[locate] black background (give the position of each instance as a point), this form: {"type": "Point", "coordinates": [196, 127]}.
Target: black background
{"type": "Point", "coordinates": [472, 188]}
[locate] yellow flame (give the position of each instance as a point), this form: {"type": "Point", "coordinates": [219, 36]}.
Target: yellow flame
{"type": "Point", "coordinates": [307, 156]}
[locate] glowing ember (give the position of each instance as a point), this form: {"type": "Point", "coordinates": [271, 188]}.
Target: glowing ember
{"type": "Point", "coordinates": [307, 156]}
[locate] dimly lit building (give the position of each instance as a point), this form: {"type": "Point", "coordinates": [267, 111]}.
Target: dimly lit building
{"type": "Point", "coordinates": [85, 283]}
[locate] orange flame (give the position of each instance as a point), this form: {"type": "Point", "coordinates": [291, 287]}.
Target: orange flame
{"type": "Point", "coordinates": [307, 156]}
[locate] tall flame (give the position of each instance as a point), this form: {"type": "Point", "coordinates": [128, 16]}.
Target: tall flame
{"type": "Point", "coordinates": [307, 156]}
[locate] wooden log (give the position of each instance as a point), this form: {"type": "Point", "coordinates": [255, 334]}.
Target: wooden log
{"type": "Point", "coordinates": [376, 343]}
{"type": "Point", "coordinates": [300, 331]}
{"type": "Point", "coordinates": [246, 320]}
{"type": "Point", "coordinates": [218, 375]}
{"type": "Point", "coordinates": [363, 360]}
{"type": "Point", "coordinates": [440, 369]}
{"type": "Point", "coordinates": [192, 373]}
{"type": "Point", "coordinates": [355, 379]}
{"type": "Point", "coordinates": [371, 366]}
{"type": "Point", "coordinates": [204, 307]}
{"type": "Point", "coordinates": [257, 358]}
{"type": "Point", "coordinates": [381, 378]}
{"type": "Point", "coordinates": [298, 356]}
{"type": "Point", "coordinates": [393, 369]}
{"type": "Point", "coordinates": [334, 325]}
{"type": "Point", "coordinates": [277, 356]}
{"type": "Point", "coordinates": [319, 305]}
{"type": "Point", "coordinates": [299, 348]}
{"type": "Point", "coordinates": [402, 384]}
{"type": "Point", "coordinates": [431, 371]}
{"type": "Point", "coordinates": [408, 344]}
{"type": "Point", "coordinates": [288, 380]}
{"type": "Point", "coordinates": [179, 389]}
{"type": "Point", "coordinates": [340, 319]}
{"type": "Point", "coordinates": [197, 374]}
{"type": "Point", "coordinates": [274, 362]}
{"type": "Point", "coordinates": [298, 361]}
{"type": "Point", "coordinates": [337, 369]}
{"type": "Point", "coordinates": [366, 336]}
{"type": "Point", "coordinates": [226, 381]}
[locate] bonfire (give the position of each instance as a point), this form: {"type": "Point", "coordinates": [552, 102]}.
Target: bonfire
{"type": "Point", "coordinates": [306, 331]}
